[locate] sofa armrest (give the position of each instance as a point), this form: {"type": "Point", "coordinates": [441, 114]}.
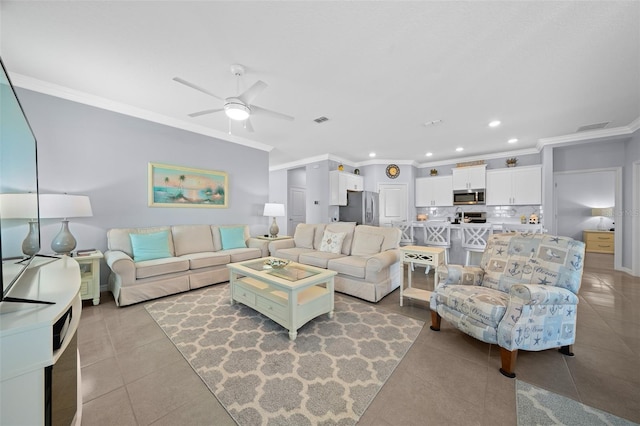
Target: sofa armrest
{"type": "Point", "coordinates": [121, 264]}
{"type": "Point", "coordinates": [281, 244]}
{"type": "Point", "coordinates": [378, 262]}
{"type": "Point", "coordinates": [263, 245]}
{"type": "Point", "coordinates": [459, 274]}
{"type": "Point", "coordinates": [538, 294]}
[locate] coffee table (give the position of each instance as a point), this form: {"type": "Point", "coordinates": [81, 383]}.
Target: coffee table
{"type": "Point", "coordinates": [291, 296]}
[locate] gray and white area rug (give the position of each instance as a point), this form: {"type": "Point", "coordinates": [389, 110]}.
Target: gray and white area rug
{"type": "Point", "coordinates": [328, 375]}
{"type": "Point", "coordinates": [536, 406]}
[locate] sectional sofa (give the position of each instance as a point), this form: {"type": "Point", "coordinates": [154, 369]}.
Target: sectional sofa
{"type": "Point", "coordinates": [147, 263]}
{"type": "Point", "coordinates": [366, 258]}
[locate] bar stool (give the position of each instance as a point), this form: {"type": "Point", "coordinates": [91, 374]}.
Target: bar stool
{"type": "Point", "coordinates": [474, 238]}
{"type": "Point", "coordinates": [437, 233]}
{"type": "Point", "coordinates": [406, 239]}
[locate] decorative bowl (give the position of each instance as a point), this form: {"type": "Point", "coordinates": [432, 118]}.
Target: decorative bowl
{"type": "Point", "coordinates": [276, 263]}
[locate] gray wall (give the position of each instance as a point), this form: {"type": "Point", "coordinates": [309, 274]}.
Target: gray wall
{"type": "Point", "coordinates": [90, 151]}
{"type": "Point", "coordinates": [628, 215]}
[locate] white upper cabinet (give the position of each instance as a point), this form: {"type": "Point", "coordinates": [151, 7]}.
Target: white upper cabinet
{"type": "Point", "coordinates": [514, 186]}
{"type": "Point", "coordinates": [471, 177]}
{"type": "Point", "coordinates": [434, 191]}
{"type": "Point", "coordinates": [340, 183]}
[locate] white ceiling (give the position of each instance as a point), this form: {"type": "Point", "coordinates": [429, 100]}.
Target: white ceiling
{"type": "Point", "coordinates": [377, 70]}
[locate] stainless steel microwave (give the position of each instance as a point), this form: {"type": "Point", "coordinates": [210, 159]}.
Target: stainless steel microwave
{"type": "Point", "coordinates": [468, 196]}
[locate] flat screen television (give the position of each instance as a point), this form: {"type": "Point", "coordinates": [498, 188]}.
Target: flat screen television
{"type": "Point", "coordinates": [19, 218]}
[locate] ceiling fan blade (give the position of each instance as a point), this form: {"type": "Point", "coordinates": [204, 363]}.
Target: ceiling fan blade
{"type": "Point", "coordinates": [247, 125]}
{"type": "Point", "coordinates": [195, 86]}
{"type": "Point", "coordinates": [252, 92]}
{"type": "Point", "coordinates": [206, 111]}
{"type": "Point", "coordinates": [259, 110]}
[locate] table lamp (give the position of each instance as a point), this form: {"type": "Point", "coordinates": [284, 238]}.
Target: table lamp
{"type": "Point", "coordinates": [602, 212]}
{"type": "Point", "coordinates": [64, 206]}
{"type": "Point", "coordinates": [23, 206]}
{"type": "Point", "coordinates": [275, 210]}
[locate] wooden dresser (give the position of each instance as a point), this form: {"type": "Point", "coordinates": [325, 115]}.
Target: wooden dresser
{"type": "Point", "coordinates": [598, 241]}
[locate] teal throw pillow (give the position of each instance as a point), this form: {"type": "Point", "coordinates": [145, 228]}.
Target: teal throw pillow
{"type": "Point", "coordinates": [232, 238]}
{"type": "Point", "coordinates": [150, 246]}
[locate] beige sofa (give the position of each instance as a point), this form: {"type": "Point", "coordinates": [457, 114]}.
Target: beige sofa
{"type": "Point", "coordinates": [196, 259]}
{"type": "Point", "coordinates": [368, 263]}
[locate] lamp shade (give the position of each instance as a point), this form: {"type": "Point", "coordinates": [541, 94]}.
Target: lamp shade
{"type": "Point", "coordinates": [273, 209]}
{"type": "Point", "coordinates": [602, 211]}
{"type": "Point", "coordinates": [64, 205]}
{"type": "Point", "coordinates": [19, 206]}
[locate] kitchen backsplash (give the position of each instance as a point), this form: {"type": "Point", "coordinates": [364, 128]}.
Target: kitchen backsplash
{"type": "Point", "coordinates": [496, 214]}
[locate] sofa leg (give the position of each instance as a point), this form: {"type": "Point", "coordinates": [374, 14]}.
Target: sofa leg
{"type": "Point", "coordinates": [566, 350]}
{"type": "Point", "coordinates": [435, 321]}
{"type": "Point", "coordinates": [508, 359]}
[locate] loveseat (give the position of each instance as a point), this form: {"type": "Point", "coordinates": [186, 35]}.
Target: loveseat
{"type": "Point", "coordinates": [147, 263]}
{"type": "Point", "coordinates": [524, 295]}
{"type": "Point", "coordinates": [366, 258]}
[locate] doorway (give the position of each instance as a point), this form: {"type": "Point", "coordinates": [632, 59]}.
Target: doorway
{"type": "Point", "coordinates": [393, 202]}
{"type": "Point", "coordinates": [576, 193]}
{"type": "Point", "coordinates": [297, 208]}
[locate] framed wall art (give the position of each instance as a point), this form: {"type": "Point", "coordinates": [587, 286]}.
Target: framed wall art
{"type": "Point", "coordinates": [175, 186]}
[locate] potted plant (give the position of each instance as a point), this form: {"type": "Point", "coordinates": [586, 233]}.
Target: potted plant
{"type": "Point", "coordinates": [511, 162]}
{"type": "Point", "coordinates": [434, 172]}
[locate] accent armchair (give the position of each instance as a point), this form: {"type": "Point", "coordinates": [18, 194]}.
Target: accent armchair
{"type": "Point", "coordinates": [522, 296]}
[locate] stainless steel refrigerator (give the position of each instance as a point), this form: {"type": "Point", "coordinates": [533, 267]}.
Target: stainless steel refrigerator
{"type": "Point", "coordinates": [362, 208]}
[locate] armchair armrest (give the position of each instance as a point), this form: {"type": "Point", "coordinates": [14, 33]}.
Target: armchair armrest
{"type": "Point", "coordinates": [263, 245]}
{"type": "Point", "coordinates": [121, 264]}
{"type": "Point", "coordinates": [459, 274]}
{"type": "Point", "coordinates": [538, 317]}
{"type": "Point", "coordinates": [379, 261]}
{"type": "Point", "coordinates": [538, 294]}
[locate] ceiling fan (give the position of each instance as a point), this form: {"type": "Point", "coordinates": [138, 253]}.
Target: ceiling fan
{"type": "Point", "coordinates": [240, 107]}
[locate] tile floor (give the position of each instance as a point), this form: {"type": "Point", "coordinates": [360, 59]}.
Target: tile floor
{"type": "Point", "coordinates": [133, 375]}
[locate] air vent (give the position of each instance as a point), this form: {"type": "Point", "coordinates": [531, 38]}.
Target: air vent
{"type": "Point", "coordinates": [321, 119]}
{"type": "Point", "coordinates": [595, 126]}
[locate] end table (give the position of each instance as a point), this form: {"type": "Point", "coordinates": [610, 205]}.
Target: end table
{"type": "Point", "coordinates": [90, 276]}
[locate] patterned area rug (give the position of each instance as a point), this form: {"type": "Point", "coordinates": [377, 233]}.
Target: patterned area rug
{"type": "Point", "coordinates": [537, 406]}
{"type": "Point", "coordinates": [328, 375]}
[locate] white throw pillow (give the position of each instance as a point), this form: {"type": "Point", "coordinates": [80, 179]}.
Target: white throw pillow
{"type": "Point", "coordinates": [332, 242]}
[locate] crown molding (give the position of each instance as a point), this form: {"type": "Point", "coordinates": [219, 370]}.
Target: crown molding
{"type": "Point", "coordinates": [489, 156]}
{"type": "Point", "coordinates": [62, 92]}
{"type": "Point", "coordinates": [590, 136]}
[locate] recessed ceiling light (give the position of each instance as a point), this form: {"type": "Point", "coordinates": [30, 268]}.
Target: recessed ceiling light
{"type": "Point", "coordinates": [458, 149]}
{"type": "Point", "coordinates": [372, 154]}
{"type": "Point", "coordinates": [429, 154]}
{"type": "Point", "coordinates": [514, 140]}
{"type": "Point", "coordinates": [494, 123]}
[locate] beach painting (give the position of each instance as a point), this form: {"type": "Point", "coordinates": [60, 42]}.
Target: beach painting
{"type": "Point", "coordinates": [175, 186]}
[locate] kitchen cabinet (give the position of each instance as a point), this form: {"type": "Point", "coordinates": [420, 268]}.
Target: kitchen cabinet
{"type": "Point", "coordinates": [514, 186]}
{"type": "Point", "coordinates": [598, 241]}
{"type": "Point", "coordinates": [434, 191]}
{"type": "Point", "coordinates": [341, 182]}
{"type": "Point", "coordinates": [471, 177]}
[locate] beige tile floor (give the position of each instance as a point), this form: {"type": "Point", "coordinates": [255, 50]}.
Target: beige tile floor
{"type": "Point", "coordinates": [133, 375]}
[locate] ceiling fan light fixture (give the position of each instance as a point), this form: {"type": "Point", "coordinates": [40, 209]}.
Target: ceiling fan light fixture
{"type": "Point", "coordinates": [237, 111]}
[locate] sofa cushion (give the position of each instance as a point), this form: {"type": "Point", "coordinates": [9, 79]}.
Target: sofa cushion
{"type": "Point", "coordinates": [292, 253]}
{"type": "Point", "coordinates": [156, 267]}
{"type": "Point", "coordinates": [348, 228]}
{"type": "Point", "coordinates": [241, 254]}
{"type": "Point", "coordinates": [365, 243]}
{"type": "Point", "coordinates": [232, 237]}
{"type": "Point", "coordinates": [303, 236]}
{"type": "Point", "coordinates": [189, 239]}
{"type": "Point", "coordinates": [150, 246]}
{"type": "Point", "coordinates": [353, 266]}
{"type": "Point", "coordinates": [207, 259]}
{"type": "Point", "coordinates": [482, 304]}
{"type": "Point", "coordinates": [319, 259]}
{"type": "Point", "coordinates": [119, 239]}
{"type": "Point", "coordinates": [217, 240]}
{"type": "Point", "coordinates": [332, 241]}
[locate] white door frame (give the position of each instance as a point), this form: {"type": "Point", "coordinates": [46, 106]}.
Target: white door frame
{"type": "Point", "coordinates": [635, 220]}
{"type": "Point", "coordinates": [618, 232]}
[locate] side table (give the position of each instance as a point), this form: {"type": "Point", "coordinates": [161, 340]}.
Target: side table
{"type": "Point", "coordinates": [420, 255]}
{"type": "Point", "coordinates": [90, 276]}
